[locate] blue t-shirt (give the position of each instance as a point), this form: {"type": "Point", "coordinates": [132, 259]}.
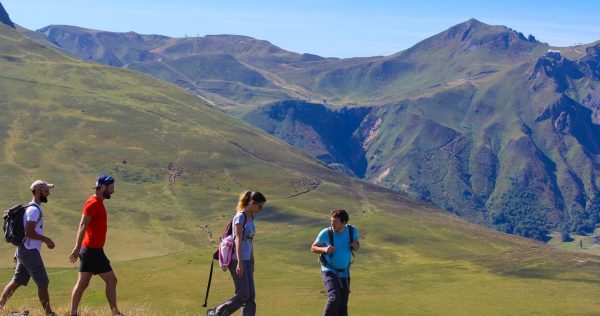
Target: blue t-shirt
{"type": "Point", "coordinates": [249, 232]}
{"type": "Point", "coordinates": [341, 255]}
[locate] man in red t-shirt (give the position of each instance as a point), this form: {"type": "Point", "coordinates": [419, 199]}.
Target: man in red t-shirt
{"type": "Point", "coordinates": [89, 246]}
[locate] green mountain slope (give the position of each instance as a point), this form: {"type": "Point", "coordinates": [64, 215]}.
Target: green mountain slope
{"type": "Point", "coordinates": [180, 165]}
{"type": "Point", "coordinates": [517, 150]}
{"type": "Point", "coordinates": [479, 119]}
{"type": "Point", "coordinates": [152, 136]}
{"type": "Point", "coordinates": [514, 146]}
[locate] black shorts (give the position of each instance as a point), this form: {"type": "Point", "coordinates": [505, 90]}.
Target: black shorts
{"type": "Point", "coordinates": [93, 260]}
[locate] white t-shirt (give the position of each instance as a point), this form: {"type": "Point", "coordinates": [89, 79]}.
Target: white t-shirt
{"type": "Point", "coordinates": [34, 214]}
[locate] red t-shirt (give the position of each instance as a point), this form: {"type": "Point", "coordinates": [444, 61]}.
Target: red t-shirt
{"type": "Point", "coordinates": [95, 232]}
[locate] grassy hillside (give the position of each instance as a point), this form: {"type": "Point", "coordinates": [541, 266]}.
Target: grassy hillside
{"type": "Point", "coordinates": [180, 165]}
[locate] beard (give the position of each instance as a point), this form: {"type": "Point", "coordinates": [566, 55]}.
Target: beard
{"type": "Point", "coordinates": [106, 195]}
{"type": "Point", "coordinates": [44, 199]}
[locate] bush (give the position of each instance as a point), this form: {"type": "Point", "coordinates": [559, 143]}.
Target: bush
{"type": "Point", "coordinates": [566, 237]}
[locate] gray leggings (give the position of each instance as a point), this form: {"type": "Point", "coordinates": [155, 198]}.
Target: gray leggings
{"type": "Point", "coordinates": [244, 292]}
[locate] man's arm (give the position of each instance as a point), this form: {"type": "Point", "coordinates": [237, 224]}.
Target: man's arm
{"type": "Point", "coordinates": [32, 234]}
{"type": "Point", "coordinates": [316, 248]}
{"type": "Point", "coordinates": [85, 220]}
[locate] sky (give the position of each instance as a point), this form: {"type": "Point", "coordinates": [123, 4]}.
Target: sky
{"type": "Point", "coordinates": [329, 28]}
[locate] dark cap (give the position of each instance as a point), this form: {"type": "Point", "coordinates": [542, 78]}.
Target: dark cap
{"type": "Point", "coordinates": [104, 179]}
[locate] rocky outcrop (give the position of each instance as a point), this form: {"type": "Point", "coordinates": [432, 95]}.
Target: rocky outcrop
{"type": "Point", "coordinates": [4, 18]}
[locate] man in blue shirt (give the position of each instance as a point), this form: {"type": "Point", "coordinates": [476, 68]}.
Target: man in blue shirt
{"type": "Point", "coordinates": [335, 261]}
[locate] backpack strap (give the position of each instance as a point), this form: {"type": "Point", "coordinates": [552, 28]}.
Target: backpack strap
{"type": "Point", "coordinates": [229, 227]}
{"type": "Point", "coordinates": [36, 206]}
{"type": "Point", "coordinates": [243, 225]}
{"type": "Point", "coordinates": [331, 243]}
{"type": "Point", "coordinates": [351, 232]}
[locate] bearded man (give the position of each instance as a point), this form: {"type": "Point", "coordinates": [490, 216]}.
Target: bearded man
{"type": "Point", "coordinates": [89, 246]}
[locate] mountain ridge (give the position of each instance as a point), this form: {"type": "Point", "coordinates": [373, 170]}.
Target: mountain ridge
{"type": "Point", "coordinates": [4, 18]}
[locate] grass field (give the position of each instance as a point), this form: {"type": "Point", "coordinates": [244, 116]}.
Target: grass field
{"type": "Point", "coordinates": [180, 165]}
{"type": "Point", "coordinates": [408, 270]}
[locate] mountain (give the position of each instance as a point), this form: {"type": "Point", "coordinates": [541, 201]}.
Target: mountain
{"type": "Point", "coordinates": [4, 18]}
{"type": "Point", "coordinates": [180, 164]}
{"type": "Point", "coordinates": [480, 120]}
{"type": "Point", "coordinates": [465, 50]}
{"type": "Point", "coordinates": [489, 124]}
{"type": "Point", "coordinates": [230, 70]}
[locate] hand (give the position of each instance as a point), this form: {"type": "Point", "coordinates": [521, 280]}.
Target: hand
{"type": "Point", "coordinates": [49, 243]}
{"type": "Point", "coordinates": [74, 255]}
{"type": "Point", "coordinates": [329, 249]}
{"type": "Point", "coordinates": [239, 270]}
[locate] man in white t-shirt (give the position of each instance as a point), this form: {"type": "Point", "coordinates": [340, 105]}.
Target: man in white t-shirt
{"type": "Point", "coordinates": [29, 259]}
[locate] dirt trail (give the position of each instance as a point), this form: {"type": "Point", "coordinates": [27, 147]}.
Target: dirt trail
{"type": "Point", "coordinates": [310, 184]}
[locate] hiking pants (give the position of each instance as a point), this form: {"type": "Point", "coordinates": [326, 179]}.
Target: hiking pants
{"type": "Point", "coordinates": [338, 291]}
{"type": "Point", "coordinates": [244, 292]}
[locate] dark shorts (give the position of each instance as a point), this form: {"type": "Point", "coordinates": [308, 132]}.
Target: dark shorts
{"type": "Point", "coordinates": [30, 264]}
{"type": "Point", "coordinates": [93, 260]}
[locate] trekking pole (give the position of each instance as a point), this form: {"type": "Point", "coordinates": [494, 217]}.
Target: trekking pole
{"type": "Point", "coordinates": [212, 262]}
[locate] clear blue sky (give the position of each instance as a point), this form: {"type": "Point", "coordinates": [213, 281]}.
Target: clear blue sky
{"type": "Point", "coordinates": [331, 28]}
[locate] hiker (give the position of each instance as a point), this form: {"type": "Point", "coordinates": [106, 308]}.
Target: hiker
{"type": "Point", "coordinates": [335, 261]}
{"type": "Point", "coordinates": [89, 245]}
{"type": "Point", "coordinates": [28, 254]}
{"type": "Point", "coordinates": [241, 266]}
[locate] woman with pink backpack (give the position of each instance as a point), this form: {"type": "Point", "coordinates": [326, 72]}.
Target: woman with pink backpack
{"type": "Point", "coordinates": [241, 266]}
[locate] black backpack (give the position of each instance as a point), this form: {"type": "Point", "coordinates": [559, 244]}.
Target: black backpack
{"type": "Point", "coordinates": [14, 230]}
{"type": "Point", "coordinates": [330, 234]}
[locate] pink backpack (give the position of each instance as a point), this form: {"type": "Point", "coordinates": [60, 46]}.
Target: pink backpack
{"type": "Point", "coordinates": [227, 244]}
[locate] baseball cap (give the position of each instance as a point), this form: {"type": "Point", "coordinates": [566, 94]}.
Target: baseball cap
{"type": "Point", "coordinates": [104, 179]}
{"type": "Point", "coordinates": [40, 184]}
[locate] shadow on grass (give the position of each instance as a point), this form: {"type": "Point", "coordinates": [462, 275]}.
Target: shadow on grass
{"type": "Point", "coordinates": [276, 215]}
{"type": "Point", "coordinates": [549, 274]}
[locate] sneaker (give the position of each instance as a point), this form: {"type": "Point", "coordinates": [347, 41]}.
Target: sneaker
{"type": "Point", "coordinates": [211, 312]}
